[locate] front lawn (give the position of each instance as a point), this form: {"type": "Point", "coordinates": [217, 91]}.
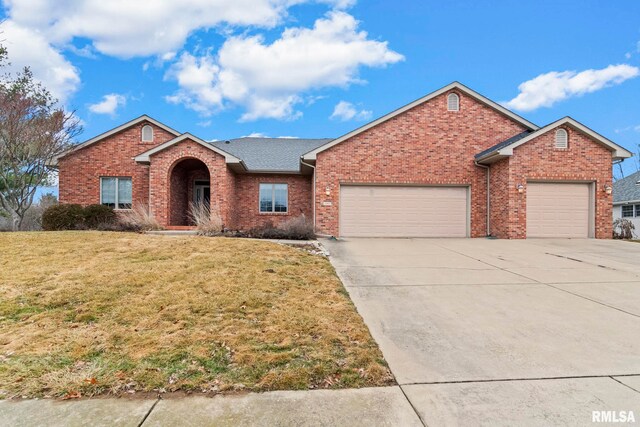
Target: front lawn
{"type": "Point", "coordinates": [85, 313]}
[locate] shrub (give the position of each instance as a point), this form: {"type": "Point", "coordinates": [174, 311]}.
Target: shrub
{"type": "Point", "coordinates": [266, 231]}
{"type": "Point", "coordinates": [63, 217]}
{"type": "Point", "coordinates": [32, 219]}
{"type": "Point", "coordinates": [138, 219]}
{"type": "Point", "coordinates": [298, 228]}
{"type": "Point", "coordinates": [623, 229]}
{"type": "Point", "coordinates": [118, 226]}
{"type": "Point", "coordinates": [208, 222]}
{"type": "Point", "coordinates": [95, 215]}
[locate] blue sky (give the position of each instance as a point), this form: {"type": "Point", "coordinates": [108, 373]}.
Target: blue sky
{"type": "Point", "coordinates": [323, 68]}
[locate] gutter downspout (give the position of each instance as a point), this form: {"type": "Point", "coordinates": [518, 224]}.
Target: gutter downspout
{"type": "Point", "coordinates": [488, 196]}
{"type": "Point", "coordinates": [313, 191]}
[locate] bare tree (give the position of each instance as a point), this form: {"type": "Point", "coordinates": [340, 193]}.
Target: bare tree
{"type": "Point", "coordinates": [34, 130]}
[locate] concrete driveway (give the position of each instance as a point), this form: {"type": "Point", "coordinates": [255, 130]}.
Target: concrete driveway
{"type": "Point", "coordinates": [480, 331]}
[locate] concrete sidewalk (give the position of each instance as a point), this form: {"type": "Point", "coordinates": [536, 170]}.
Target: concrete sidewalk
{"type": "Point", "coordinates": [384, 406]}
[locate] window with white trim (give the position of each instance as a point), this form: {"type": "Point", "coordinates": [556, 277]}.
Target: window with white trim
{"type": "Point", "coordinates": [562, 138]}
{"type": "Point", "coordinates": [274, 198]}
{"type": "Point", "coordinates": [638, 210]}
{"type": "Point", "coordinates": [453, 102]}
{"type": "Point", "coordinates": [116, 192]}
{"type": "Point", "coordinates": [147, 133]}
{"type": "Point", "coordinates": [627, 211]}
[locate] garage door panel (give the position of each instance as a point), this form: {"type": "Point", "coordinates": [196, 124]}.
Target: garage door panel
{"type": "Point", "coordinates": [396, 211]}
{"type": "Point", "coordinates": [558, 210]}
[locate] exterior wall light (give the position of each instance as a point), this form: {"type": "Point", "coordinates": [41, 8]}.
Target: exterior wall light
{"type": "Point", "coordinates": [608, 189]}
{"type": "Point", "coordinates": [520, 188]}
{"type": "Point", "coordinates": [327, 190]}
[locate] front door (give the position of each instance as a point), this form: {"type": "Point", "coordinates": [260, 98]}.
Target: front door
{"type": "Point", "coordinates": [202, 193]}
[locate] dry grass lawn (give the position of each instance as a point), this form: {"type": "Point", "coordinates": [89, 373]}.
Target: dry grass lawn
{"type": "Point", "coordinates": [86, 313]}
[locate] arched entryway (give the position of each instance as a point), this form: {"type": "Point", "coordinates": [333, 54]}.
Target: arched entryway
{"type": "Point", "coordinates": [189, 182]}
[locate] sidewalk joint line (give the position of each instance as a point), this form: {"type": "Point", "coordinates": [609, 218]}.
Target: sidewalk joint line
{"type": "Point", "coordinates": [489, 264]}
{"type": "Point", "coordinates": [626, 385]}
{"type": "Point", "coordinates": [592, 300]}
{"type": "Point", "coordinates": [424, 423]}
{"type": "Point", "coordinates": [394, 285]}
{"type": "Point", "coordinates": [149, 412]}
{"type": "Point", "coordinates": [517, 379]}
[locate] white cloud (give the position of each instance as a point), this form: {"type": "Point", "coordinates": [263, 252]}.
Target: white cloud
{"type": "Point", "coordinates": [27, 47]}
{"type": "Point", "coordinates": [38, 31]}
{"type": "Point", "coordinates": [271, 107]}
{"type": "Point", "coordinates": [268, 79]}
{"type": "Point", "coordinates": [109, 104]}
{"type": "Point", "coordinates": [125, 28]}
{"type": "Point", "coordinates": [547, 89]}
{"type": "Point", "coordinates": [346, 111]}
{"type": "Point", "coordinates": [628, 128]}
{"type": "Point", "coordinates": [86, 51]}
{"type": "Point", "coordinates": [198, 81]}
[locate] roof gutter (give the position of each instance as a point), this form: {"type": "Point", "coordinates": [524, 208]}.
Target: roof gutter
{"type": "Point", "coordinates": [626, 202]}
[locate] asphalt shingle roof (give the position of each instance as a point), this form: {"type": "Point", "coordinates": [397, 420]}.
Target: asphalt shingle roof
{"type": "Point", "coordinates": [627, 189]}
{"type": "Point", "coordinates": [270, 154]}
{"type": "Point", "coordinates": [504, 143]}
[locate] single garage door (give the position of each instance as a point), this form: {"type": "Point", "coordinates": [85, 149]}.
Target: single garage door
{"type": "Point", "coordinates": [403, 211]}
{"type": "Point", "coordinates": [558, 210]}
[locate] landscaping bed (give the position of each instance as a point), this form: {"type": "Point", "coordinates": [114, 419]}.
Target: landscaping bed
{"type": "Point", "coordinates": [85, 313]}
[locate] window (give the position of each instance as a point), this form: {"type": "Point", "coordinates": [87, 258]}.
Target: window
{"type": "Point", "coordinates": [627, 211]}
{"type": "Point", "coordinates": [274, 198]}
{"type": "Point", "coordinates": [562, 138]}
{"type": "Point", "coordinates": [453, 102]}
{"type": "Point", "coordinates": [115, 192]}
{"type": "Point", "coordinates": [638, 210]}
{"type": "Point", "coordinates": [147, 133]}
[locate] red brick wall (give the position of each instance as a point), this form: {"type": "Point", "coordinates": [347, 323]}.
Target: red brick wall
{"type": "Point", "coordinates": [232, 217]}
{"type": "Point", "coordinates": [425, 145]}
{"type": "Point", "coordinates": [539, 160]}
{"type": "Point", "coordinates": [80, 171]}
{"type": "Point", "coordinates": [500, 199]}
{"type": "Point", "coordinates": [247, 197]}
{"type": "Point", "coordinates": [172, 185]}
{"type": "Point", "coordinates": [164, 197]}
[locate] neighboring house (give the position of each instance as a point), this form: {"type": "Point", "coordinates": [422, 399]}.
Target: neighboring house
{"type": "Point", "coordinates": [450, 164]}
{"type": "Point", "coordinates": [626, 199]}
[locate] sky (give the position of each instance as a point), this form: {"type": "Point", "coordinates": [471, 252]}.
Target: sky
{"type": "Point", "coordinates": [295, 68]}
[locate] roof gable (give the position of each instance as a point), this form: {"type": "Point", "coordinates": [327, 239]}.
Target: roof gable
{"type": "Point", "coordinates": [95, 139]}
{"type": "Point", "coordinates": [311, 155]}
{"type": "Point", "coordinates": [505, 148]}
{"type": "Point", "coordinates": [146, 156]}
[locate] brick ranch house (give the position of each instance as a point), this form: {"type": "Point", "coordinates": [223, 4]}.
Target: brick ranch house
{"type": "Point", "coordinates": [450, 164]}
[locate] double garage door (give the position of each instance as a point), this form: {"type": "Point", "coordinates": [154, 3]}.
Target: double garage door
{"type": "Point", "coordinates": [553, 210]}
{"type": "Point", "coordinates": [403, 211]}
